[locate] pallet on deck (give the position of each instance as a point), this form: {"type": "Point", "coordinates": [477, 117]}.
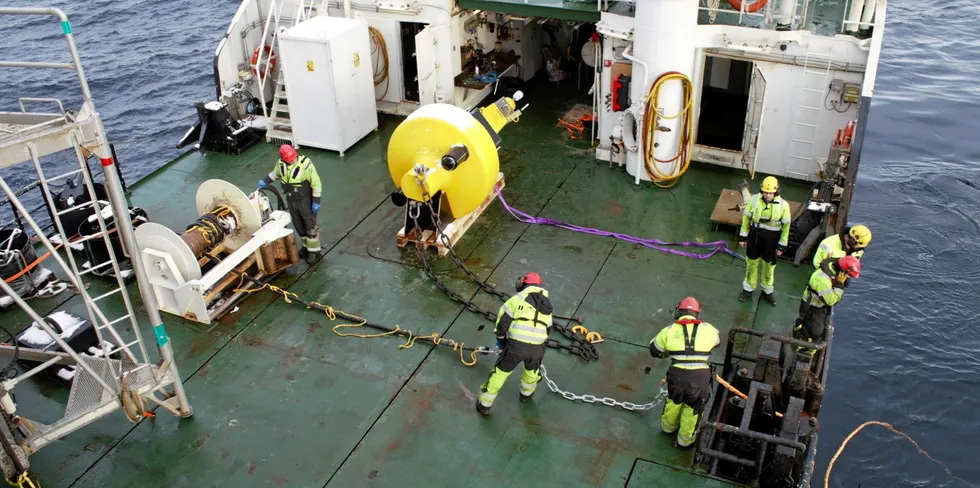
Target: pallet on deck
{"type": "Point", "coordinates": [726, 210]}
{"type": "Point", "coordinates": [454, 230]}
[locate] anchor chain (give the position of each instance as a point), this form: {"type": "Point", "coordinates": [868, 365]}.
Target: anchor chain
{"type": "Point", "coordinates": [607, 401]}
{"type": "Point", "coordinates": [581, 347]}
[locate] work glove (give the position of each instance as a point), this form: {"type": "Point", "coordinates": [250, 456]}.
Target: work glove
{"type": "Point", "coordinates": [780, 249]}
{"type": "Point", "coordinates": [261, 184]}
{"type": "Point", "coordinates": [501, 342]}
{"type": "Point", "coordinates": [316, 207]}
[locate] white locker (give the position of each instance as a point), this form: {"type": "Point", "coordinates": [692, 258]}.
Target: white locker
{"type": "Point", "coordinates": [329, 82]}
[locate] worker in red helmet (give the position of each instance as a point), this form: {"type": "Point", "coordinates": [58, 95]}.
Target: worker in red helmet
{"type": "Point", "coordinates": [824, 290]}
{"type": "Point", "coordinates": [301, 183]}
{"type": "Point", "coordinates": [521, 330]}
{"type": "Point", "coordinates": [688, 342]}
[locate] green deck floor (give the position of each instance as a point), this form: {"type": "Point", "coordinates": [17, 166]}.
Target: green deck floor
{"type": "Point", "coordinates": [280, 400]}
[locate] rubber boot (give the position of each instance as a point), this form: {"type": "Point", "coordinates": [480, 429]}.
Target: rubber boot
{"type": "Point", "coordinates": [483, 410]}
{"type": "Point", "coordinates": [312, 257]}
{"type": "Point", "coordinates": [525, 399]}
{"type": "Point", "coordinates": [745, 295]}
{"type": "Point", "coordinates": [770, 297]}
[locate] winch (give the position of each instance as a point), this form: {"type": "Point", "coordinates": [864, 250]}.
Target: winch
{"type": "Point", "coordinates": [198, 274]}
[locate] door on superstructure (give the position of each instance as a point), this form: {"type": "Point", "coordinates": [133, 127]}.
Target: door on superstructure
{"type": "Point", "coordinates": [724, 101]}
{"type": "Point", "coordinates": [753, 120]}
{"type": "Point", "coordinates": [428, 42]}
{"type": "Point", "coordinates": [409, 31]}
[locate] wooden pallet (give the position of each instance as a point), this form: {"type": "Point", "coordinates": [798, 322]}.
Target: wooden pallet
{"type": "Point", "coordinates": [454, 230]}
{"type": "Point", "coordinates": [727, 213]}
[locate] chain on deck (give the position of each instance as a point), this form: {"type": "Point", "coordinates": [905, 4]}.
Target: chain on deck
{"type": "Point", "coordinates": [581, 347]}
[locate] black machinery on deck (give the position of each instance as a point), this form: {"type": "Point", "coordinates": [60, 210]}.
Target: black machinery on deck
{"type": "Point", "coordinates": [769, 437]}
{"type": "Point", "coordinates": [828, 201]}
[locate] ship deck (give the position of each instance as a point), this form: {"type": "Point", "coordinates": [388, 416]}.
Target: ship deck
{"type": "Point", "coordinates": [281, 400]}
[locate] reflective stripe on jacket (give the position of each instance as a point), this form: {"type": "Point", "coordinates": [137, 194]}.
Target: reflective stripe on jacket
{"type": "Point", "coordinates": [774, 216]}
{"type": "Point", "coordinates": [832, 247]}
{"type": "Point", "coordinates": [525, 317]}
{"type": "Point", "coordinates": [301, 173]}
{"type": "Point", "coordinates": [688, 341]}
{"type": "Point", "coordinates": [820, 290]}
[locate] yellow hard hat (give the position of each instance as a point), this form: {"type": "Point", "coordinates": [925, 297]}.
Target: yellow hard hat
{"type": "Point", "coordinates": [770, 185]}
{"type": "Point", "coordinates": [861, 235]}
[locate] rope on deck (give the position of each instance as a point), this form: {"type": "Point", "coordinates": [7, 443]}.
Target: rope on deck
{"type": "Point", "coordinates": [656, 244]}
{"type": "Point", "coordinates": [356, 321]}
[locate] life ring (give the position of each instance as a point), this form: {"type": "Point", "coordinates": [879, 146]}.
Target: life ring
{"type": "Point", "coordinates": [755, 6]}
{"type": "Point", "coordinates": [270, 58]}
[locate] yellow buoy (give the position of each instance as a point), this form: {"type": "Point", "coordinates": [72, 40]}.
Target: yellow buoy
{"type": "Point", "coordinates": [443, 147]}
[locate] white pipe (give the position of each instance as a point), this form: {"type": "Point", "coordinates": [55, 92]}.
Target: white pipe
{"type": "Point", "coordinates": [785, 13]}
{"type": "Point", "coordinates": [347, 8]}
{"type": "Point", "coordinates": [646, 83]}
{"type": "Point", "coordinates": [854, 16]}
{"type": "Point", "coordinates": [869, 11]}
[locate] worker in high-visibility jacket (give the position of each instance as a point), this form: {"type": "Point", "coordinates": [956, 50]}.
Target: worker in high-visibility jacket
{"type": "Point", "coordinates": [521, 330]}
{"type": "Point", "coordinates": [824, 290]}
{"type": "Point", "coordinates": [688, 342]}
{"type": "Point", "coordinates": [765, 230]}
{"type": "Point", "coordinates": [851, 241]}
{"type": "Point", "coordinates": [302, 186]}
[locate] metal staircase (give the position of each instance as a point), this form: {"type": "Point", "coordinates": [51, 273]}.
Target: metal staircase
{"type": "Point", "coordinates": [280, 130]}
{"type": "Point", "coordinates": [813, 89]}
{"type": "Point", "coordinates": [118, 378]}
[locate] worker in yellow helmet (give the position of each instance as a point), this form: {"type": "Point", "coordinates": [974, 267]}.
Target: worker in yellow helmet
{"type": "Point", "coordinates": [851, 241]}
{"type": "Point", "coordinates": [765, 230]}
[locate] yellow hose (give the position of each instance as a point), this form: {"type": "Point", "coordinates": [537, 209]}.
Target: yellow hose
{"type": "Point", "coordinates": [681, 160]}
{"type": "Point", "coordinates": [381, 65]}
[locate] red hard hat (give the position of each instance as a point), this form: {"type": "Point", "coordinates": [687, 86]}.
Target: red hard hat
{"type": "Point", "coordinates": [689, 303]}
{"type": "Point", "coordinates": [287, 153]}
{"type": "Point", "coordinates": [531, 278]}
{"type": "Point", "coordinates": [850, 265]}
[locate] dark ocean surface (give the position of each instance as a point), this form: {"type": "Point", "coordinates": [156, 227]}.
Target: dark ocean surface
{"type": "Point", "coordinates": [907, 341]}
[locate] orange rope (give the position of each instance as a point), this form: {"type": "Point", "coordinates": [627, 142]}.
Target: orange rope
{"type": "Point", "coordinates": [826, 478]}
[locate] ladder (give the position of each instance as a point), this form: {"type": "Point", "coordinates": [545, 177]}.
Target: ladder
{"type": "Point", "coordinates": [104, 380]}
{"type": "Point", "coordinates": [280, 129]}
{"type": "Point", "coordinates": [813, 89]}
{"type": "Point", "coordinates": [137, 369]}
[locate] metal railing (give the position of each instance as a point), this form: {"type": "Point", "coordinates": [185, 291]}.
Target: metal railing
{"type": "Point", "coordinates": [273, 22]}
{"type": "Point", "coordinates": [103, 384]}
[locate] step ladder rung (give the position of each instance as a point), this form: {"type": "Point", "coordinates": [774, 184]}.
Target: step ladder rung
{"type": "Point", "coordinates": [66, 175]}
{"type": "Point", "coordinates": [804, 124]}
{"type": "Point", "coordinates": [813, 90]}
{"type": "Point", "coordinates": [800, 157]}
{"type": "Point", "coordinates": [106, 294]}
{"type": "Point", "coordinates": [97, 235]}
{"type": "Point", "coordinates": [803, 141]}
{"type": "Point", "coordinates": [95, 268]}
{"type": "Point", "coordinates": [812, 72]}
{"type": "Point", "coordinates": [114, 322]}
{"type": "Point", "coordinates": [76, 207]}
